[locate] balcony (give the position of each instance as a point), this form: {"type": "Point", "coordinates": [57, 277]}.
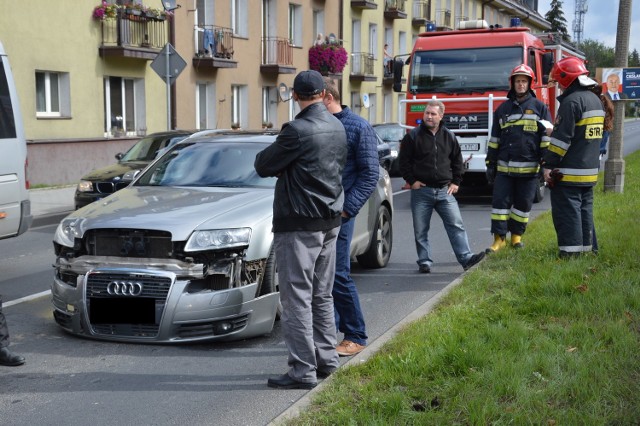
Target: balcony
{"type": "Point", "coordinates": [133, 36]}
{"type": "Point", "coordinates": [214, 48]}
{"type": "Point", "coordinates": [362, 67]}
{"type": "Point", "coordinates": [421, 13]}
{"type": "Point", "coordinates": [277, 56]}
{"type": "Point", "coordinates": [364, 4]}
{"type": "Point", "coordinates": [394, 9]}
{"type": "Point", "coordinates": [443, 20]}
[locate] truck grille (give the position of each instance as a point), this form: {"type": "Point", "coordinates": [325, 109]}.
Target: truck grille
{"type": "Point", "coordinates": [110, 187]}
{"type": "Point", "coordinates": [478, 121]}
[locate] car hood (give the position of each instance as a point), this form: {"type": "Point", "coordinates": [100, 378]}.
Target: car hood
{"type": "Point", "coordinates": [178, 210]}
{"type": "Point", "coordinates": [114, 170]}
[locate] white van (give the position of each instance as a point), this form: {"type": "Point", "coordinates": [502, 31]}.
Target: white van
{"type": "Point", "coordinates": [15, 206]}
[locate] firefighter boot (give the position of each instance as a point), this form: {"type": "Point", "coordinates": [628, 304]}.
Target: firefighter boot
{"type": "Point", "coordinates": [516, 241]}
{"type": "Point", "coordinates": [498, 243]}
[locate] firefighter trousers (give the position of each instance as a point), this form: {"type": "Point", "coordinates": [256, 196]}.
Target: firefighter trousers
{"type": "Point", "coordinates": [511, 205]}
{"type": "Point", "coordinates": [572, 213]}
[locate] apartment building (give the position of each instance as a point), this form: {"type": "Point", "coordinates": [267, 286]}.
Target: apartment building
{"type": "Point", "coordinates": [88, 89]}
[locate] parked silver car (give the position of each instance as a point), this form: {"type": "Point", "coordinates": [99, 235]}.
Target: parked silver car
{"type": "Point", "coordinates": [185, 252]}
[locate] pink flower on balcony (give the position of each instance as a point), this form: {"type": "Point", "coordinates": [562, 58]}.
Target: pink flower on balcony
{"type": "Point", "coordinates": [327, 58]}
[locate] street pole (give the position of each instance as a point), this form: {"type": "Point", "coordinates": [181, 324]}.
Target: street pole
{"type": "Point", "coordinates": [614, 166]}
{"type": "Point", "coordinates": [167, 77]}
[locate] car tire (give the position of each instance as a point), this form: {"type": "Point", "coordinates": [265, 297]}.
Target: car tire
{"type": "Point", "coordinates": [540, 191]}
{"type": "Point", "coordinates": [270, 283]}
{"type": "Point", "coordinates": [379, 251]}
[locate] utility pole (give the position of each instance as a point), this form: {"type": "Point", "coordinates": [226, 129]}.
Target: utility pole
{"type": "Point", "coordinates": [614, 166]}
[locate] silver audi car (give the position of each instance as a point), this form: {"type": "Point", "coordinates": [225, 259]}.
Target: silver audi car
{"type": "Point", "coordinates": [185, 252]}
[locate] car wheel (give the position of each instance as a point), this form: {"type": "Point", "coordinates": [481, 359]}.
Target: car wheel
{"type": "Point", "coordinates": [270, 283]}
{"type": "Point", "coordinates": [539, 196]}
{"type": "Point", "coordinates": [379, 251]}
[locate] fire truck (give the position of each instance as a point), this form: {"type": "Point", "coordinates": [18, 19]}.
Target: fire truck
{"type": "Point", "coordinates": [468, 70]}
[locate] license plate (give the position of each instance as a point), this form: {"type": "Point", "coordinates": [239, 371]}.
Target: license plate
{"type": "Point", "coordinates": [470, 146]}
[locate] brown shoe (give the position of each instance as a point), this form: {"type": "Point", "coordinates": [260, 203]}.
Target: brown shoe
{"type": "Point", "coordinates": [349, 348]}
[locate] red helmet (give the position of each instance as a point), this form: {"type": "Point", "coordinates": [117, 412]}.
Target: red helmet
{"type": "Point", "coordinates": [522, 70]}
{"type": "Point", "coordinates": [566, 70]}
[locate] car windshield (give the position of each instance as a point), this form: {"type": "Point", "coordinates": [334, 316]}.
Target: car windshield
{"type": "Point", "coordinates": [145, 149]}
{"type": "Point", "coordinates": [390, 133]}
{"type": "Point", "coordinates": [463, 70]}
{"type": "Point", "coordinates": [207, 164]}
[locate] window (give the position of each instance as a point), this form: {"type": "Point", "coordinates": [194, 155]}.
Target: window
{"type": "Point", "coordinates": [52, 94]}
{"type": "Point", "coordinates": [124, 106]}
{"type": "Point", "coordinates": [373, 41]}
{"type": "Point", "coordinates": [239, 18]}
{"type": "Point", "coordinates": [7, 119]}
{"type": "Point", "coordinates": [318, 24]}
{"type": "Point", "coordinates": [355, 102]}
{"type": "Point", "coordinates": [388, 106]}
{"type": "Point", "coordinates": [295, 24]}
{"type": "Point", "coordinates": [205, 106]}
{"type": "Point", "coordinates": [373, 108]}
{"type": "Point", "coordinates": [239, 112]}
{"type": "Point", "coordinates": [269, 103]}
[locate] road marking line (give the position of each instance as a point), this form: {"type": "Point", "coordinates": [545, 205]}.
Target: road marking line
{"type": "Point", "coordinates": [26, 298]}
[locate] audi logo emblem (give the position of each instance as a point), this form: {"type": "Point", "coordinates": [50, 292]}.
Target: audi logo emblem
{"type": "Point", "coordinates": [124, 288]}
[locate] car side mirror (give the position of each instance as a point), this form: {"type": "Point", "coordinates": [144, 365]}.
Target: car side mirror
{"type": "Point", "coordinates": [119, 156]}
{"type": "Point", "coordinates": [398, 64]}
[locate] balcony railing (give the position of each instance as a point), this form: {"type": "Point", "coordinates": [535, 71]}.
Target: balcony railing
{"type": "Point", "coordinates": [364, 4]}
{"type": "Point", "coordinates": [362, 67]}
{"type": "Point", "coordinates": [277, 55]}
{"type": "Point", "coordinates": [421, 13]}
{"type": "Point", "coordinates": [443, 19]}
{"type": "Point", "coordinates": [136, 36]}
{"type": "Point", "coordinates": [214, 47]}
{"type": "Point", "coordinates": [394, 9]}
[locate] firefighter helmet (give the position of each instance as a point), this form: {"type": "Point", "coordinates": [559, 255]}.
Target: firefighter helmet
{"type": "Point", "coordinates": [566, 70]}
{"type": "Point", "coordinates": [522, 70]}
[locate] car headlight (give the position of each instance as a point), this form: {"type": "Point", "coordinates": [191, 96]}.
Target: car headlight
{"type": "Point", "coordinates": [213, 239]}
{"type": "Point", "coordinates": [85, 186]}
{"type": "Point", "coordinates": [68, 230]}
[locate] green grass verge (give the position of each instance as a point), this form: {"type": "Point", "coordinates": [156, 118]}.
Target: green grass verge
{"type": "Point", "coordinates": [526, 338]}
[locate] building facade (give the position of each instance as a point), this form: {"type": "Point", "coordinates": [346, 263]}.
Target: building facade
{"type": "Point", "coordinates": [90, 91]}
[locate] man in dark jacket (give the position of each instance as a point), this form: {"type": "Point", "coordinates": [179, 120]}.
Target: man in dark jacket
{"type": "Point", "coordinates": [571, 163]}
{"type": "Point", "coordinates": [516, 146]}
{"type": "Point", "coordinates": [431, 163]}
{"type": "Point", "coordinates": [308, 157]}
{"type": "Point", "coordinates": [359, 179]}
{"type": "Point", "coordinates": [6, 357]}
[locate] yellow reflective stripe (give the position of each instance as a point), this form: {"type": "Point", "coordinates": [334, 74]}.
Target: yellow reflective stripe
{"type": "Point", "coordinates": [557, 150]}
{"type": "Point", "coordinates": [580, 179]}
{"type": "Point", "coordinates": [520, 123]}
{"type": "Point", "coordinates": [493, 145]}
{"type": "Point", "coordinates": [506, 169]}
{"type": "Point", "coordinates": [499, 216]}
{"type": "Point", "coordinates": [518, 218]}
{"type": "Point", "coordinates": [590, 120]}
{"type": "Point", "coordinates": [544, 144]}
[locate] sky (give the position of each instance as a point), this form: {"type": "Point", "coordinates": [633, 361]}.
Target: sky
{"type": "Point", "coordinates": [600, 21]}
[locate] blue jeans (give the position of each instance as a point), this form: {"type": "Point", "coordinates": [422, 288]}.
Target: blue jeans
{"type": "Point", "coordinates": [423, 202]}
{"type": "Point", "coordinates": [349, 317]}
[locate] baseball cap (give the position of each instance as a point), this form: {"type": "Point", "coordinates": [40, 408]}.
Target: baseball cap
{"type": "Point", "coordinates": [308, 83]}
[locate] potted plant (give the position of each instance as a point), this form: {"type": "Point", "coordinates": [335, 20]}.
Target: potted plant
{"type": "Point", "coordinates": [105, 11]}
{"type": "Point", "coordinates": [327, 58]}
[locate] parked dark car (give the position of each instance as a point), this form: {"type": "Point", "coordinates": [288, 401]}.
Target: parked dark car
{"type": "Point", "coordinates": [392, 134]}
{"type": "Point", "coordinates": [107, 180]}
{"type": "Point", "coordinates": [384, 154]}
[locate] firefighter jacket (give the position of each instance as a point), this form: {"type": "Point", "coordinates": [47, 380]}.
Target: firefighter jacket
{"type": "Point", "coordinates": [435, 160]}
{"type": "Point", "coordinates": [575, 142]}
{"type": "Point", "coordinates": [518, 141]}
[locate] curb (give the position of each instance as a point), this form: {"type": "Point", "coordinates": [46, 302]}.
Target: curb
{"type": "Point", "coordinates": [301, 405]}
{"type": "Point", "coordinates": [49, 219]}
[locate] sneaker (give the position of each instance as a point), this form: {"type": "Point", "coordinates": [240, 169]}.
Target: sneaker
{"type": "Point", "coordinates": [424, 269]}
{"type": "Point", "coordinates": [475, 259]}
{"type": "Point", "coordinates": [349, 348]}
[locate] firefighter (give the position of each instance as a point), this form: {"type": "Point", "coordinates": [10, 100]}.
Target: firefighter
{"type": "Point", "coordinates": [572, 160]}
{"type": "Point", "coordinates": [515, 150]}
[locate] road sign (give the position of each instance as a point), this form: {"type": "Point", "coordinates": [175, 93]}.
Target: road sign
{"type": "Point", "coordinates": [168, 62]}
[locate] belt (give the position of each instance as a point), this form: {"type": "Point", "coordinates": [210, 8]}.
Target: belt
{"type": "Point", "coordinates": [436, 186]}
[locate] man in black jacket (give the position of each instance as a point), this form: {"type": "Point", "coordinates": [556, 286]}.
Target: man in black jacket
{"type": "Point", "coordinates": [431, 163]}
{"type": "Point", "coordinates": [308, 158]}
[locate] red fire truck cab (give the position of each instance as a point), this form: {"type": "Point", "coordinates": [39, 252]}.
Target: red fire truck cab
{"type": "Point", "coordinates": [468, 70]}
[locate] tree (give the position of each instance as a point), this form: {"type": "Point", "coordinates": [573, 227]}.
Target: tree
{"type": "Point", "coordinates": [555, 16]}
{"type": "Point", "coordinates": [597, 55]}
{"type": "Point", "coordinates": [634, 59]}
